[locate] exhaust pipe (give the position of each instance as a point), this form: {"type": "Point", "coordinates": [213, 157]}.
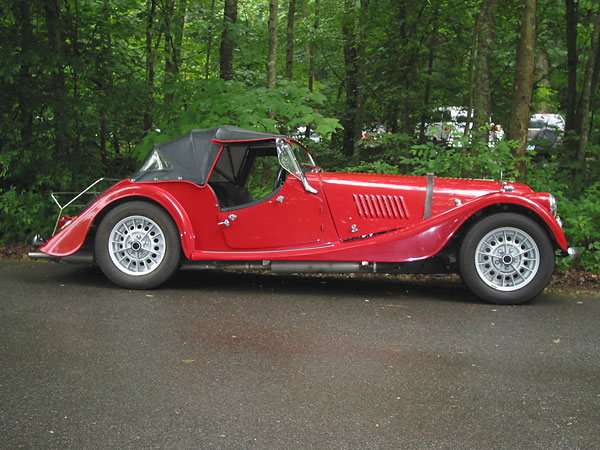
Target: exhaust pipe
{"type": "Point", "coordinates": [287, 267]}
{"type": "Point", "coordinates": [77, 258]}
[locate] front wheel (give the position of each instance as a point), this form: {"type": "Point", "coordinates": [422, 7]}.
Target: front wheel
{"type": "Point", "coordinates": [506, 258]}
{"type": "Point", "coordinates": [137, 245]}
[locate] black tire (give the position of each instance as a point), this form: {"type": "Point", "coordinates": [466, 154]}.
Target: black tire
{"type": "Point", "coordinates": [506, 258]}
{"type": "Point", "coordinates": [137, 245]}
{"type": "Point", "coordinates": [546, 138]}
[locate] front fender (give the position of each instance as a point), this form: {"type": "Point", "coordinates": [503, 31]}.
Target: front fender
{"type": "Point", "coordinates": [530, 202]}
{"type": "Point", "coordinates": [427, 238]}
{"type": "Point", "coordinates": [70, 239]}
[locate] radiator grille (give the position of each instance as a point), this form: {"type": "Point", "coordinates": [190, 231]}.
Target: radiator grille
{"type": "Point", "coordinates": [380, 206]}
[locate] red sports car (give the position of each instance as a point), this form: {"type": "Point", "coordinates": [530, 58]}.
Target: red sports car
{"type": "Point", "coordinates": [228, 198]}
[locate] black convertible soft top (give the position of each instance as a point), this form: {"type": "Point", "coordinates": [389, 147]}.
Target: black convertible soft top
{"type": "Point", "coordinates": [192, 156]}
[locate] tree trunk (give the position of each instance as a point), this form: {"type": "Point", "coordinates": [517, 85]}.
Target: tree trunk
{"type": "Point", "coordinates": [542, 68]}
{"type": "Point", "coordinates": [482, 100]}
{"type": "Point", "coordinates": [361, 44]}
{"type": "Point", "coordinates": [523, 84]}
{"type": "Point", "coordinates": [571, 23]}
{"type": "Point", "coordinates": [433, 40]}
{"type": "Point", "coordinates": [272, 58]}
{"type": "Point", "coordinates": [209, 42]}
{"type": "Point", "coordinates": [25, 86]}
{"type": "Point", "coordinates": [587, 92]}
{"type": "Point", "coordinates": [289, 47]}
{"type": "Point", "coordinates": [227, 42]}
{"type": "Point", "coordinates": [353, 115]}
{"type": "Point", "coordinates": [174, 21]}
{"type": "Point", "coordinates": [310, 53]}
{"type": "Point", "coordinates": [148, 118]}
{"type": "Point", "coordinates": [471, 89]}
{"type": "Point", "coordinates": [57, 87]}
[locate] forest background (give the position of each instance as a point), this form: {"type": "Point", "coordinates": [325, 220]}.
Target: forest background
{"type": "Point", "coordinates": [87, 86]}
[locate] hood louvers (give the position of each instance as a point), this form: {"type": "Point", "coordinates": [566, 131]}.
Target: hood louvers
{"type": "Point", "coordinates": [380, 206]}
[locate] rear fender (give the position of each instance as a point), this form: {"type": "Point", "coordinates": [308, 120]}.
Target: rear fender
{"type": "Point", "coordinates": [70, 239]}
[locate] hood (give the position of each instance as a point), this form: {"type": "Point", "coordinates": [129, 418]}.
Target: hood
{"type": "Point", "coordinates": [363, 204]}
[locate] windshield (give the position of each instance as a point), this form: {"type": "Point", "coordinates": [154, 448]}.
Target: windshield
{"type": "Point", "coordinates": [537, 123]}
{"type": "Point", "coordinates": [296, 160]}
{"type": "Point", "coordinates": [304, 157]}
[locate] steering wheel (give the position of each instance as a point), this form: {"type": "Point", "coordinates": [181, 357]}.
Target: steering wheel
{"type": "Point", "coordinates": [279, 178]}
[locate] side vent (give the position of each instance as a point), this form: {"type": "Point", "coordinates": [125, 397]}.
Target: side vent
{"type": "Point", "coordinates": [380, 206]}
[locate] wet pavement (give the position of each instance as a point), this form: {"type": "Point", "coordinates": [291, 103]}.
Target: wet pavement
{"type": "Point", "coordinates": [243, 361]}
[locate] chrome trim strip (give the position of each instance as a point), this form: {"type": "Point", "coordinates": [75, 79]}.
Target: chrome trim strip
{"type": "Point", "coordinates": [269, 251]}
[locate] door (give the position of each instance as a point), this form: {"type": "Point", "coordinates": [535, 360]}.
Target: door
{"type": "Point", "coordinates": [288, 217]}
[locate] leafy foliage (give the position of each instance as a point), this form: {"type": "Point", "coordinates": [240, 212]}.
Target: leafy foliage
{"type": "Point", "coordinates": [25, 213]}
{"type": "Point", "coordinates": [210, 103]}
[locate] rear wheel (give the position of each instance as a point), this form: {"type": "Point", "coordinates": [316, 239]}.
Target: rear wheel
{"type": "Point", "coordinates": [506, 258]}
{"type": "Point", "coordinates": [137, 245]}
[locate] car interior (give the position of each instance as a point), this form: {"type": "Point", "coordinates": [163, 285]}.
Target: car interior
{"type": "Point", "coordinates": [246, 174]}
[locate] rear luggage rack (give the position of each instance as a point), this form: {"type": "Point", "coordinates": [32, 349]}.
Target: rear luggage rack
{"type": "Point", "coordinates": [72, 203]}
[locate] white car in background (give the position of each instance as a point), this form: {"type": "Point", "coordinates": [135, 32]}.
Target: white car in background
{"type": "Point", "coordinates": [545, 131]}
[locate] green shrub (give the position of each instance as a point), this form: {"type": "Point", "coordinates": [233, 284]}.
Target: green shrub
{"type": "Point", "coordinates": [582, 226]}
{"type": "Point", "coordinates": [24, 214]}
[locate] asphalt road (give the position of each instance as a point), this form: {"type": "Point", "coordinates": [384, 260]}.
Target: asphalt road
{"type": "Point", "coordinates": [250, 361]}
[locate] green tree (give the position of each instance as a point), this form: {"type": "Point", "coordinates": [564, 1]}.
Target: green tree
{"type": "Point", "coordinates": [523, 86]}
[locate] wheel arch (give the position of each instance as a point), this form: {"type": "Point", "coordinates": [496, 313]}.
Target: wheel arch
{"type": "Point", "coordinates": [168, 204]}
{"type": "Point", "coordinates": [500, 208]}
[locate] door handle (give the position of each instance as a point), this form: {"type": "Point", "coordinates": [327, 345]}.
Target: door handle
{"type": "Point", "coordinates": [228, 221]}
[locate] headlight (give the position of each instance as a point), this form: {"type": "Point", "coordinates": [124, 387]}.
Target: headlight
{"type": "Point", "coordinates": [553, 205]}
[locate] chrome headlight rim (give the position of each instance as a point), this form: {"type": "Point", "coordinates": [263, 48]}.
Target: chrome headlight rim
{"type": "Point", "coordinates": [553, 206]}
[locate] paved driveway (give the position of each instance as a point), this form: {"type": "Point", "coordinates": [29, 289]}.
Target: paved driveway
{"type": "Point", "coordinates": [243, 361]}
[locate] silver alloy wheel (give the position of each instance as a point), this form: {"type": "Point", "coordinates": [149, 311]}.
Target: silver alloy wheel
{"type": "Point", "coordinates": [136, 245]}
{"type": "Point", "coordinates": [507, 259]}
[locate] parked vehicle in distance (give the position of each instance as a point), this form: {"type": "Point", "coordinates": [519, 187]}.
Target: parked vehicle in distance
{"type": "Point", "coordinates": [301, 133]}
{"type": "Point", "coordinates": [545, 131]}
{"type": "Point", "coordinates": [227, 198]}
{"type": "Point", "coordinates": [373, 129]}
{"type": "Point", "coordinates": [372, 133]}
{"type": "Point", "coordinates": [449, 123]}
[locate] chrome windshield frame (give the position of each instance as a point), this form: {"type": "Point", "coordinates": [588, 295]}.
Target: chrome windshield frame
{"type": "Point", "coordinates": [288, 161]}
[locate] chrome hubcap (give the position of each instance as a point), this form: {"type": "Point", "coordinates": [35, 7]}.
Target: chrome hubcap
{"type": "Point", "coordinates": [136, 245]}
{"type": "Point", "coordinates": [507, 259]}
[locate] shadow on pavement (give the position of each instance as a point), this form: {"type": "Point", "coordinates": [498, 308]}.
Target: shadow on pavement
{"type": "Point", "coordinates": [448, 289]}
